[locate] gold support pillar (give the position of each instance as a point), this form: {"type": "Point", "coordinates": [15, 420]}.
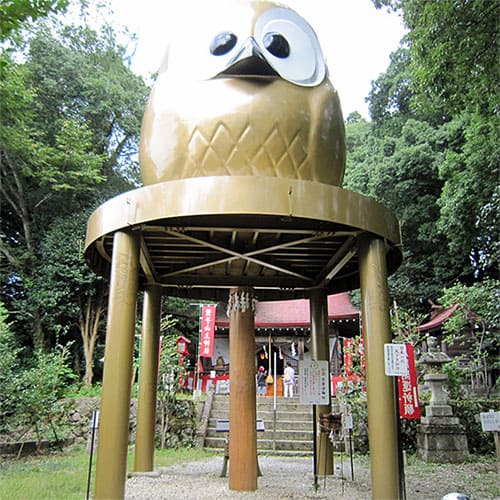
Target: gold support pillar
{"type": "Point", "coordinates": [382, 429]}
{"type": "Point", "coordinates": [242, 404]}
{"type": "Point", "coordinates": [111, 467]}
{"type": "Point", "coordinates": [320, 345]}
{"type": "Point", "coordinates": [148, 379]}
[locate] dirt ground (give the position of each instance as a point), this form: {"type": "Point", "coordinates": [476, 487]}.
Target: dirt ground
{"type": "Point", "coordinates": [292, 478]}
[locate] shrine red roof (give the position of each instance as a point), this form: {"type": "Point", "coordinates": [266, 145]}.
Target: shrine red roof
{"type": "Point", "coordinates": [296, 313]}
{"type": "Point", "coordinates": [438, 318]}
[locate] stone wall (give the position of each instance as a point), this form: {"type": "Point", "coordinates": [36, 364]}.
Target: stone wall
{"type": "Point", "coordinates": [76, 427]}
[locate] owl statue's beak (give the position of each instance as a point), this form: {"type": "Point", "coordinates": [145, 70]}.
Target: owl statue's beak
{"type": "Point", "coordinates": [249, 63]}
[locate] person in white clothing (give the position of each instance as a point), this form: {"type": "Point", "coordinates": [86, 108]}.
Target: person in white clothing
{"type": "Point", "coordinates": [289, 380]}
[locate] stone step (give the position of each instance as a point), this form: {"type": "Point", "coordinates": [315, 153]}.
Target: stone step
{"type": "Point", "coordinates": [280, 435]}
{"type": "Point", "coordinates": [294, 425]}
{"type": "Point", "coordinates": [217, 443]}
{"type": "Point", "coordinates": [266, 415]}
{"type": "Point", "coordinates": [267, 403]}
{"type": "Point", "coordinates": [285, 415]}
{"type": "Point", "coordinates": [293, 433]}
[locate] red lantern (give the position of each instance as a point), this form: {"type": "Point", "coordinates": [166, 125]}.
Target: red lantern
{"type": "Point", "coordinates": [182, 346]}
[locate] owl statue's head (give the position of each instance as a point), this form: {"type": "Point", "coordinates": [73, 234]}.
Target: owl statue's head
{"type": "Point", "coordinates": [243, 89]}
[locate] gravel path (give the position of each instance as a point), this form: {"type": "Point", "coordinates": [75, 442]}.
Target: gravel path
{"type": "Point", "coordinates": [283, 477]}
{"type": "Point", "coordinates": [292, 478]}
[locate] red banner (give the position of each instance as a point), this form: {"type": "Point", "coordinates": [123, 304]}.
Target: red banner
{"type": "Point", "coordinates": [409, 406]}
{"type": "Point", "coordinates": [354, 348]}
{"type": "Point", "coordinates": [348, 361]}
{"type": "Point", "coordinates": [207, 329]}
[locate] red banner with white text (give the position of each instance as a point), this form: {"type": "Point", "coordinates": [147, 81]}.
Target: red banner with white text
{"type": "Point", "coordinates": [207, 330]}
{"type": "Point", "coordinates": [409, 406]}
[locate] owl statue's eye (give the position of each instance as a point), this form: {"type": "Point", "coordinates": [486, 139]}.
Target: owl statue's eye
{"type": "Point", "coordinates": [277, 44]}
{"type": "Point", "coordinates": [223, 43]}
{"type": "Point", "coordinates": [290, 47]}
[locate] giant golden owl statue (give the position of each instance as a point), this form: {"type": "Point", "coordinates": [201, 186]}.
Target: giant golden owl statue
{"type": "Point", "coordinates": [245, 93]}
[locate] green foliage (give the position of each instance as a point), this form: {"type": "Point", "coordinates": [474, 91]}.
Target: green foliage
{"type": "Point", "coordinates": [478, 303]}
{"type": "Point", "coordinates": [391, 96]}
{"type": "Point", "coordinates": [470, 199]}
{"type": "Point", "coordinates": [80, 391]}
{"type": "Point", "coordinates": [431, 152]}
{"type": "Point", "coordinates": [71, 114]}
{"type": "Point", "coordinates": [447, 64]}
{"type": "Point", "coordinates": [468, 410]}
{"type": "Point", "coordinates": [43, 385]}
{"type": "Point", "coordinates": [63, 284]}
{"type": "Point", "coordinates": [402, 171]}
{"type": "Point", "coordinates": [14, 13]}
{"type": "Point", "coordinates": [405, 325]}
{"type": "Point", "coordinates": [452, 61]}
{"type": "Point", "coordinates": [475, 326]}
{"type": "Point", "coordinates": [9, 366]}
{"type": "Point", "coordinates": [176, 415]}
{"type": "Point", "coordinates": [359, 410]}
{"type": "Point", "coordinates": [31, 393]}
{"type": "Point", "coordinates": [457, 377]}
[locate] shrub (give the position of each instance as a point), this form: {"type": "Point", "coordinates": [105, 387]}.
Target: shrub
{"type": "Point", "coordinates": [31, 392]}
{"type": "Point", "coordinates": [177, 417]}
{"type": "Point", "coordinates": [468, 410]}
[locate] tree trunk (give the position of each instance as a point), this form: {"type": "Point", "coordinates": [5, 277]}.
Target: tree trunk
{"type": "Point", "coordinates": [90, 317]}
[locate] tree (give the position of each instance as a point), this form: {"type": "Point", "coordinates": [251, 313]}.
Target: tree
{"type": "Point", "coordinates": [71, 114]}
{"type": "Point", "coordinates": [391, 98]}
{"type": "Point", "coordinates": [31, 392]}
{"type": "Point", "coordinates": [35, 173]}
{"type": "Point", "coordinates": [177, 421]}
{"type": "Point", "coordinates": [475, 324]}
{"type": "Point", "coordinates": [9, 366]}
{"type": "Point", "coordinates": [14, 14]}
{"type": "Point", "coordinates": [72, 297]}
{"type": "Point", "coordinates": [453, 74]}
{"type": "Point", "coordinates": [470, 198]}
{"type": "Point", "coordinates": [402, 173]}
{"type": "Point", "coordinates": [453, 64]}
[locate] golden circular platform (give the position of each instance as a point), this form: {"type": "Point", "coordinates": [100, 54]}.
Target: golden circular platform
{"type": "Point", "coordinates": [201, 236]}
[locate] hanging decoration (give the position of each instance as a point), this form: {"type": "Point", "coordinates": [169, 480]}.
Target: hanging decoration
{"type": "Point", "coordinates": [241, 301]}
{"type": "Point", "coordinates": [207, 330]}
{"type": "Point", "coordinates": [269, 378]}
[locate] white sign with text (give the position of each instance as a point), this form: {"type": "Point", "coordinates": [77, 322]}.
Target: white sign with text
{"type": "Point", "coordinates": [314, 386]}
{"type": "Point", "coordinates": [490, 421]}
{"type": "Point", "coordinates": [396, 360]}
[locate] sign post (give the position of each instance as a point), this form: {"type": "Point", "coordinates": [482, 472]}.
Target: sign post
{"type": "Point", "coordinates": [314, 379]}
{"type": "Point", "coordinates": [396, 365]}
{"type": "Point", "coordinates": [490, 422]}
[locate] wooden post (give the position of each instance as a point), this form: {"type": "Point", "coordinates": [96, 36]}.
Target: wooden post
{"type": "Point", "coordinates": [111, 465]}
{"type": "Point", "coordinates": [382, 429]}
{"type": "Point", "coordinates": [321, 352]}
{"type": "Point", "coordinates": [148, 380]}
{"type": "Point", "coordinates": [242, 396]}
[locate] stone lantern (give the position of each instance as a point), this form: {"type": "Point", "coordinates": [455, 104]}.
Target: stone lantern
{"type": "Point", "coordinates": [440, 437]}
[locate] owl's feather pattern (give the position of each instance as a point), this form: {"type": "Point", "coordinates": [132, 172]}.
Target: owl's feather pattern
{"type": "Point", "coordinates": [222, 148]}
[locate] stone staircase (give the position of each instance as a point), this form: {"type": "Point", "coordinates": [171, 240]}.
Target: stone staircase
{"type": "Point", "coordinates": [293, 434]}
